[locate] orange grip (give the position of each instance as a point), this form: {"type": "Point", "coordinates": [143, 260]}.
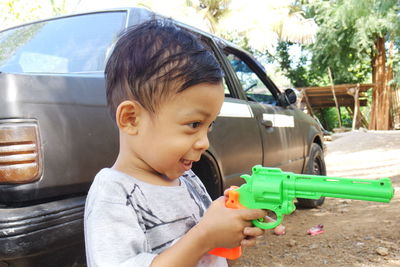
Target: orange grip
{"type": "Point", "coordinates": [233, 203]}
{"type": "Point", "coordinates": [233, 199]}
{"type": "Point", "coordinates": [229, 253]}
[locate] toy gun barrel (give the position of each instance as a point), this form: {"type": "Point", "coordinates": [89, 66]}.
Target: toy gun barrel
{"type": "Point", "coordinates": [314, 187]}
{"type": "Point", "coordinates": [272, 185]}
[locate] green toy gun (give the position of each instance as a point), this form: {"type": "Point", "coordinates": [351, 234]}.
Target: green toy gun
{"type": "Point", "coordinates": [275, 190]}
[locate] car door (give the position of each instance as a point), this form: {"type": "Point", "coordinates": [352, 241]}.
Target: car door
{"type": "Point", "coordinates": [235, 141]}
{"type": "Point", "coordinates": [282, 145]}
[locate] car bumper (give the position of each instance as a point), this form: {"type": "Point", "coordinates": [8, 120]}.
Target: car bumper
{"type": "Point", "coordinates": [42, 233]}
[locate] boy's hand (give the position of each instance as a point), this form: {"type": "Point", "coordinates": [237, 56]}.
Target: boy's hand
{"type": "Point", "coordinates": [279, 230]}
{"type": "Point", "coordinates": [251, 233]}
{"type": "Point", "coordinates": [228, 228]}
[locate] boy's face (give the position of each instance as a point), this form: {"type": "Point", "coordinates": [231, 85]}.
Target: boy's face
{"type": "Point", "coordinates": [170, 141]}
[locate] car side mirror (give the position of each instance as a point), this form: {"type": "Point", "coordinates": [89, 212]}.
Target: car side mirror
{"type": "Point", "coordinates": [291, 96]}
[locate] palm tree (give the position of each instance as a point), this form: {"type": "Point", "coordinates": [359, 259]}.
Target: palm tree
{"type": "Point", "coordinates": [267, 22]}
{"type": "Point", "coordinates": [262, 22]}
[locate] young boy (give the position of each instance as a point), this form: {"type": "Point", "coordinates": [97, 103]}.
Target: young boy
{"type": "Point", "coordinates": [164, 90]}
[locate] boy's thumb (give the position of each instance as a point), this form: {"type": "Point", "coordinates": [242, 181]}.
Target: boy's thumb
{"type": "Point", "coordinates": [221, 200]}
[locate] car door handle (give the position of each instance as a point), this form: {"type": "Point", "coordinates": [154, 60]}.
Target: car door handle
{"type": "Point", "coordinates": [267, 123]}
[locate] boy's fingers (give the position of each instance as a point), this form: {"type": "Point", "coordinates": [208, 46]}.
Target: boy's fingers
{"type": "Point", "coordinates": [248, 242]}
{"type": "Point", "coordinates": [253, 214]}
{"type": "Point", "coordinates": [246, 214]}
{"type": "Point", "coordinates": [226, 192]}
{"type": "Point", "coordinates": [253, 231]}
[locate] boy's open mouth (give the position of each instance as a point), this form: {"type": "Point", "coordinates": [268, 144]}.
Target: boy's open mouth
{"type": "Point", "coordinates": [187, 164]}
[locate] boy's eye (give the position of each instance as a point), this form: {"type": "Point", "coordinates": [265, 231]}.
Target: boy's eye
{"type": "Point", "coordinates": [197, 124]}
{"type": "Point", "coordinates": [194, 125]}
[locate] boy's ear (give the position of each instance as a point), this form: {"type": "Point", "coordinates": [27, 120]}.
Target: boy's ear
{"type": "Point", "coordinates": [127, 116]}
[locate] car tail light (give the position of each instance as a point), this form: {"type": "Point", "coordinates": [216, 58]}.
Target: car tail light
{"type": "Point", "coordinates": [20, 151]}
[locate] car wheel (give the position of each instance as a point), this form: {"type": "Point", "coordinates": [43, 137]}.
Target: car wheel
{"type": "Point", "coordinates": [207, 170]}
{"type": "Point", "coordinates": [315, 166]}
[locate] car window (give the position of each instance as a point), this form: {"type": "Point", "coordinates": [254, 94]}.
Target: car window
{"type": "Point", "coordinates": [73, 44]}
{"type": "Point", "coordinates": [226, 88]}
{"type": "Point", "coordinates": [252, 85]}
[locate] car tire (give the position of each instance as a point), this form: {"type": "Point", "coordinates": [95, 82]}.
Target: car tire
{"type": "Point", "coordinates": [208, 172]}
{"type": "Point", "coordinates": [315, 166]}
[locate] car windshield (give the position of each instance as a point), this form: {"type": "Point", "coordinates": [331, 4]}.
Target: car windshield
{"type": "Point", "coordinates": [66, 45]}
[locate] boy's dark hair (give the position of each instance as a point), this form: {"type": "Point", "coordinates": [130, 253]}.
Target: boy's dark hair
{"type": "Point", "coordinates": [154, 60]}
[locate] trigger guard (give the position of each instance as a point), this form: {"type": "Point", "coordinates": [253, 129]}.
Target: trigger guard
{"type": "Point", "coordinates": [268, 225]}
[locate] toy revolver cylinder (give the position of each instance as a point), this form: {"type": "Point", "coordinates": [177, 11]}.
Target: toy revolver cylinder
{"type": "Point", "coordinates": [275, 190]}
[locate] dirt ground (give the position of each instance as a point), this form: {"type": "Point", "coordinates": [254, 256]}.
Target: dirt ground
{"type": "Point", "coordinates": [357, 233]}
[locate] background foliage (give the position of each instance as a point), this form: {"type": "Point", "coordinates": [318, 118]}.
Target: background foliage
{"type": "Point", "coordinates": [297, 40]}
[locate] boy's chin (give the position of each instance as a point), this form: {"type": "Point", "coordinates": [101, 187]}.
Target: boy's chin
{"type": "Point", "coordinates": [174, 172]}
{"type": "Point", "coordinates": [172, 176]}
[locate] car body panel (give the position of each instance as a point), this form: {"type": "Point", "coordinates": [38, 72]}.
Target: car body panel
{"type": "Point", "coordinates": [87, 143]}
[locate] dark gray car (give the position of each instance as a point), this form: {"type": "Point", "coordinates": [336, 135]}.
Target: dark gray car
{"type": "Point", "coordinates": [56, 133]}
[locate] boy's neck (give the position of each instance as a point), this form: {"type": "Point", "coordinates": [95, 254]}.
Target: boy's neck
{"type": "Point", "coordinates": [143, 175]}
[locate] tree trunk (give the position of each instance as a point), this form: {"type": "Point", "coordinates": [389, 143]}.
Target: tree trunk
{"type": "Point", "coordinates": [390, 88]}
{"type": "Point", "coordinates": [396, 108]}
{"type": "Point", "coordinates": [380, 110]}
{"type": "Point", "coordinates": [334, 98]}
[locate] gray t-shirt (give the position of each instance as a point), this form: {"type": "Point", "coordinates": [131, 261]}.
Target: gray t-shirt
{"type": "Point", "coordinates": [128, 222]}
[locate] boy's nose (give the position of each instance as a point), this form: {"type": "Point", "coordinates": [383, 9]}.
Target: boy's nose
{"type": "Point", "coordinates": [202, 143]}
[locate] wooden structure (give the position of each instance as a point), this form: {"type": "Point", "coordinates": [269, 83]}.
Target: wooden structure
{"type": "Point", "coordinates": [350, 96]}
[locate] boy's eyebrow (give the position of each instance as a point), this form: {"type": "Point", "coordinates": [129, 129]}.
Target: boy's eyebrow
{"type": "Point", "coordinates": [196, 111]}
